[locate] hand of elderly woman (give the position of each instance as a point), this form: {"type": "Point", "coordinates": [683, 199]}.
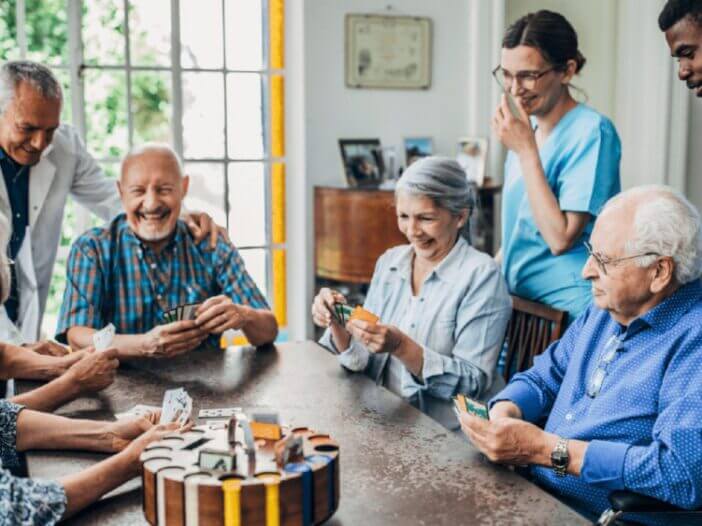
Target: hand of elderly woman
{"type": "Point", "coordinates": [376, 337]}
{"type": "Point", "coordinates": [323, 304]}
{"type": "Point", "coordinates": [514, 133]}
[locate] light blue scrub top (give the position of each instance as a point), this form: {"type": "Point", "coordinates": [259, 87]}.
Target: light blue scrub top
{"type": "Point", "coordinates": [581, 162]}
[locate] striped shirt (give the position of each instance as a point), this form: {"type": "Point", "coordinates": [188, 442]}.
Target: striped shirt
{"type": "Point", "coordinates": [112, 277]}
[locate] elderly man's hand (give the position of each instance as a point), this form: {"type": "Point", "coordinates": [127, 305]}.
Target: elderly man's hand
{"type": "Point", "coordinates": [507, 440]}
{"type": "Point", "coordinates": [165, 341]}
{"type": "Point", "coordinates": [377, 338]}
{"type": "Point", "coordinates": [202, 225]}
{"type": "Point", "coordinates": [219, 313]}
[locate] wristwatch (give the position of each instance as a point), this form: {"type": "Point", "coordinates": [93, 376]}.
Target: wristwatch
{"type": "Point", "coordinates": [560, 458]}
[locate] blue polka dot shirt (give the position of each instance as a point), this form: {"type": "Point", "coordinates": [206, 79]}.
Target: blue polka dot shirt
{"type": "Point", "coordinates": [644, 424]}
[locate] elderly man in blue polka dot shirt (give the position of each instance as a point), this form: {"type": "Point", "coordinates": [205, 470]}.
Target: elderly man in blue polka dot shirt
{"type": "Point", "coordinates": [621, 392]}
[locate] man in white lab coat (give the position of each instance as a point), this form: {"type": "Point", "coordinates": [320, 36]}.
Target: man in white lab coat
{"type": "Point", "coordinates": [42, 163]}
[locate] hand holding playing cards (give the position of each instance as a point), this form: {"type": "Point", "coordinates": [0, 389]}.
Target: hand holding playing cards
{"type": "Point", "coordinates": [155, 433]}
{"type": "Point", "coordinates": [505, 440]}
{"type": "Point", "coordinates": [323, 306]}
{"type": "Point", "coordinates": [219, 313]}
{"type": "Point", "coordinates": [175, 338]}
{"type": "Point", "coordinates": [94, 371]}
{"type": "Point", "coordinates": [376, 337]}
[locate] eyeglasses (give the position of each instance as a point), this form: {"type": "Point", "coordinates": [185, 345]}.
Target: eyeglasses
{"type": "Point", "coordinates": [610, 351]}
{"type": "Point", "coordinates": [603, 262]}
{"type": "Point", "coordinates": [525, 79]}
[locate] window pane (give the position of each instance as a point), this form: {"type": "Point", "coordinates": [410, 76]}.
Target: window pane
{"type": "Point", "coordinates": [8, 31]}
{"type": "Point", "coordinates": [244, 116]}
{"type": "Point", "coordinates": [106, 113]}
{"type": "Point", "coordinates": [255, 261]}
{"type": "Point", "coordinates": [244, 34]}
{"type": "Point", "coordinates": [47, 31]}
{"type": "Point", "coordinates": [203, 115]}
{"type": "Point", "coordinates": [201, 34]}
{"type": "Point", "coordinates": [206, 190]}
{"type": "Point", "coordinates": [247, 204]}
{"type": "Point", "coordinates": [151, 107]}
{"type": "Point", "coordinates": [103, 32]}
{"type": "Point", "coordinates": [65, 80]}
{"type": "Point", "coordinates": [150, 32]}
{"type": "Point", "coordinates": [111, 170]}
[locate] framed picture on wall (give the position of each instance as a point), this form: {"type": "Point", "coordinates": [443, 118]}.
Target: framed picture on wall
{"type": "Point", "coordinates": [385, 51]}
{"type": "Point", "coordinates": [363, 162]}
{"type": "Point", "coordinates": [416, 148]}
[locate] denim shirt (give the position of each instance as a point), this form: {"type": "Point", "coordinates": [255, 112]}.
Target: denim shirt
{"type": "Point", "coordinates": [459, 318]}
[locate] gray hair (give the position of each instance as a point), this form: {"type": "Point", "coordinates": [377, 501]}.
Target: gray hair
{"type": "Point", "coordinates": [442, 180]}
{"type": "Point", "coordinates": [666, 223]}
{"type": "Point", "coordinates": [13, 73]}
{"type": "Point", "coordinates": [5, 276]}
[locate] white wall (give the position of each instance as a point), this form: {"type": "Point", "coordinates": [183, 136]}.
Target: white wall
{"type": "Point", "coordinates": [334, 111]}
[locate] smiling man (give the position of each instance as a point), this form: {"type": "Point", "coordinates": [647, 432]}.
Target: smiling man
{"type": "Point", "coordinates": [681, 20]}
{"type": "Point", "coordinates": [620, 392]}
{"type": "Point", "coordinates": [146, 262]}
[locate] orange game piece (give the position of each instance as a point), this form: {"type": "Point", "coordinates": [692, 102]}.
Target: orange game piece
{"type": "Point", "coordinates": [266, 431]}
{"type": "Point", "coordinates": [359, 313]}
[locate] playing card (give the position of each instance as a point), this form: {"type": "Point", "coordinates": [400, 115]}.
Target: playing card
{"type": "Point", "coordinates": [103, 338]}
{"type": "Point", "coordinates": [137, 410]}
{"type": "Point", "coordinates": [473, 407]}
{"type": "Point", "coordinates": [176, 404]}
{"type": "Point", "coordinates": [224, 412]}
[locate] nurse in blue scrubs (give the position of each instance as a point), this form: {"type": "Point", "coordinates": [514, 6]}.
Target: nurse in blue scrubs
{"type": "Point", "coordinates": [562, 165]}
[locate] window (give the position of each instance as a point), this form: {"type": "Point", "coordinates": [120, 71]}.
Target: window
{"type": "Point", "coordinates": [206, 76]}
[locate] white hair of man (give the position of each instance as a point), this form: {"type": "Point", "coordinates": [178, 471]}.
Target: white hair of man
{"type": "Point", "coordinates": [15, 72]}
{"type": "Point", "coordinates": [665, 223]}
{"type": "Point", "coordinates": [442, 180]}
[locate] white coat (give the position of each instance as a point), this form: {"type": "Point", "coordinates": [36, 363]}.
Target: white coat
{"type": "Point", "coordinates": [66, 168]}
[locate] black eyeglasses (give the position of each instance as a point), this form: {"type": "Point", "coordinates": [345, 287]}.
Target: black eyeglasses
{"type": "Point", "coordinates": [603, 262]}
{"type": "Point", "coordinates": [526, 79]}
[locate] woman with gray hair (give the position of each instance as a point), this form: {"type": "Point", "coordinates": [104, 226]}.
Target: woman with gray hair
{"type": "Point", "coordinates": [443, 306]}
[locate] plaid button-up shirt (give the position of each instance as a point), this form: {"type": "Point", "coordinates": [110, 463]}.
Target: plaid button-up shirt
{"type": "Point", "coordinates": [112, 277]}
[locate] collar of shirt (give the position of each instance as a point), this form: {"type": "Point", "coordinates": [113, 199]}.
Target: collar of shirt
{"type": "Point", "coordinates": [446, 270]}
{"type": "Point", "coordinates": [128, 234]}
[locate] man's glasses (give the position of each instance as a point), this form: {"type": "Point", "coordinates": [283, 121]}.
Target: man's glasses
{"type": "Point", "coordinates": [610, 351]}
{"type": "Point", "coordinates": [525, 79]}
{"type": "Point", "coordinates": [603, 262]}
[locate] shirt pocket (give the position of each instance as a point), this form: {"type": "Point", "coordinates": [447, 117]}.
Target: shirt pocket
{"type": "Point", "coordinates": [440, 335]}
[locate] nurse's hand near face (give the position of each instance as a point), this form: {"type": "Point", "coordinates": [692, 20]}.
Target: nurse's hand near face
{"type": "Point", "coordinates": [514, 133]}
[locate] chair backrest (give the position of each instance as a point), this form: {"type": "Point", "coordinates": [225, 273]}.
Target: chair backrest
{"type": "Point", "coordinates": [532, 328]}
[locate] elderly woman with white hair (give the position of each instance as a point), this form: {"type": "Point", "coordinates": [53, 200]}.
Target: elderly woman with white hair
{"type": "Point", "coordinates": [443, 305]}
{"type": "Point", "coordinates": [42, 502]}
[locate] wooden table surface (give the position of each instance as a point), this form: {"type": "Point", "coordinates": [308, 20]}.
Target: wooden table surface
{"type": "Point", "coordinates": [398, 466]}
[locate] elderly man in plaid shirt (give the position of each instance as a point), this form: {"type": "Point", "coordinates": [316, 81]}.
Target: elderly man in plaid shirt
{"type": "Point", "coordinates": [146, 262]}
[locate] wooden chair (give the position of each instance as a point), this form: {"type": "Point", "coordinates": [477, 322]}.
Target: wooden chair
{"type": "Point", "coordinates": [533, 327]}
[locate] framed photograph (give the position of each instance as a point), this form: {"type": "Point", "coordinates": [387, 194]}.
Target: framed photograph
{"type": "Point", "coordinates": [416, 148]}
{"type": "Point", "coordinates": [363, 162]}
{"type": "Point", "coordinates": [472, 156]}
{"type": "Point", "coordinates": [385, 51]}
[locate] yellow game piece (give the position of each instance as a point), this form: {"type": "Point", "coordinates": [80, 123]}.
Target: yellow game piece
{"type": "Point", "coordinates": [266, 430]}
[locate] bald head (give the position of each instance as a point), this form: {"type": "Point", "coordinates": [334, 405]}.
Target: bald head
{"type": "Point", "coordinates": [152, 187]}
{"type": "Point", "coordinates": [151, 154]}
